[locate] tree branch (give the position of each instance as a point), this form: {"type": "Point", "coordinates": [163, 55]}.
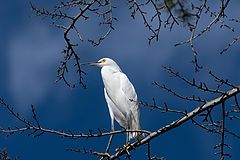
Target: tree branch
{"type": "Point", "coordinates": [180, 121]}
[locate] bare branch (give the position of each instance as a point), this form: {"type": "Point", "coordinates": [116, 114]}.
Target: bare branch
{"type": "Point", "coordinates": [180, 121]}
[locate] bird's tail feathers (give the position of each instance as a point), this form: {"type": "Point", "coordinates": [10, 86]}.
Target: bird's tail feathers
{"type": "Point", "coordinates": [137, 135]}
{"type": "Point", "coordinates": [134, 125]}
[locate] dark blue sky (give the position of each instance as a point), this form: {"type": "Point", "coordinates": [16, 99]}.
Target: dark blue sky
{"type": "Point", "coordinates": [30, 52]}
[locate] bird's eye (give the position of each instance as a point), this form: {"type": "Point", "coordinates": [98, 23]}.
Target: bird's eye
{"type": "Point", "coordinates": [102, 60]}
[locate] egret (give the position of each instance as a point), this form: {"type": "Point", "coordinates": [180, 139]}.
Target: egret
{"type": "Point", "coordinates": [120, 96]}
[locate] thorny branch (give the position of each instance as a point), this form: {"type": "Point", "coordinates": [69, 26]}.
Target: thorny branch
{"type": "Point", "coordinates": [175, 124]}
{"type": "Point", "coordinates": [67, 16]}
{"type": "Point", "coordinates": [69, 24]}
{"type": "Point", "coordinates": [201, 86]}
{"type": "Point", "coordinates": [209, 122]}
{"type": "Point", "coordinates": [37, 130]}
{"type": "Point", "coordinates": [62, 18]}
{"type": "Point", "coordinates": [164, 109]}
{"type": "Point", "coordinates": [235, 40]}
{"type": "Point", "coordinates": [4, 155]}
{"type": "Point", "coordinates": [218, 18]}
{"type": "Point", "coordinates": [154, 13]}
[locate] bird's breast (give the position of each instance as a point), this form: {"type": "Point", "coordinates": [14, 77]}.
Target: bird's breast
{"type": "Point", "coordinates": [110, 78]}
{"type": "Point", "coordinates": [112, 84]}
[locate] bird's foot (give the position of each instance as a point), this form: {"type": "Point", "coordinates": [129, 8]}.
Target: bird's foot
{"type": "Point", "coordinates": [103, 155]}
{"type": "Point", "coordinates": [125, 148]}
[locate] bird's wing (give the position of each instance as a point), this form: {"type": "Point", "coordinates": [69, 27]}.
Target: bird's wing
{"type": "Point", "coordinates": [131, 97]}
{"type": "Point", "coordinates": [114, 111]}
{"type": "Point", "coordinates": [127, 87]}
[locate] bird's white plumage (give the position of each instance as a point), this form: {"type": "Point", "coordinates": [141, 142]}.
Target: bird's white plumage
{"type": "Point", "coordinates": [120, 96]}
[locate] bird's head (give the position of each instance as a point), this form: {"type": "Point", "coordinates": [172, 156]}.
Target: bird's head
{"type": "Point", "coordinates": [102, 62]}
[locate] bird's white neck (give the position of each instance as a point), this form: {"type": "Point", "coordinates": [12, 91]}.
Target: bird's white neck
{"type": "Point", "coordinates": [111, 69]}
{"type": "Point", "coordinates": [108, 73]}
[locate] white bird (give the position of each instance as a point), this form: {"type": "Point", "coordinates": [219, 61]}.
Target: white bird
{"type": "Point", "coordinates": [120, 96]}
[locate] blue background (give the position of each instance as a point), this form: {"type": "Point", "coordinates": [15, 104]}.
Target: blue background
{"type": "Point", "coordinates": [30, 52]}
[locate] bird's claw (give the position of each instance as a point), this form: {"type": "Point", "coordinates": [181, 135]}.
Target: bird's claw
{"type": "Point", "coordinates": [125, 147]}
{"type": "Point", "coordinates": [103, 155]}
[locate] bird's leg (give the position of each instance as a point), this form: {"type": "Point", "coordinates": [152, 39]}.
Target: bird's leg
{"type": "Point", "coordinates": [109, 143]}
{"type": "Point", "coordinates": [128, 128]}
{"type": "Point", "coordinates": [111, 137]}
{"type": "Point", "coordinates": [125, 146]}
{"type": "Point", "coordinates": [127, 137]}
